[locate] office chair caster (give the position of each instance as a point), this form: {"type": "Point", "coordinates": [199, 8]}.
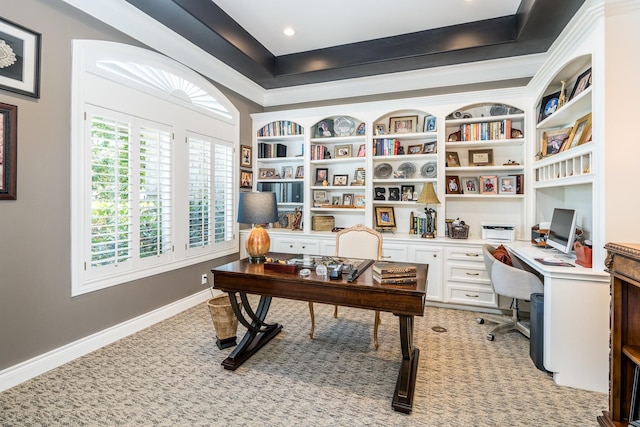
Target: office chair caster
{"type": "Point", "coordinates": [491, 337]}
{"type": "Point", "coordinates": [480, 321]}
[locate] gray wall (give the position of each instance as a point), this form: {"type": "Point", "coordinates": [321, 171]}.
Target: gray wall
{"type": "Point", "coordinates": [37, 313]}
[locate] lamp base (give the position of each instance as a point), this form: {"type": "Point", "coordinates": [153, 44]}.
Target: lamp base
{"type": "Point", "coordinates": [428, 236]}
{"type": "Point", "coordinates": [257, 259]}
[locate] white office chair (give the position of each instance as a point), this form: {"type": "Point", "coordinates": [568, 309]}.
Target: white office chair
{"type": "Point", "coordinates": [360, 242]}
{"type": "Point", "coordinates": [515, 282]}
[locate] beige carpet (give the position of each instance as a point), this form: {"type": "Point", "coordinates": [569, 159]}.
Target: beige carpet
{"type": "Point", "coordinates": [170, 375]}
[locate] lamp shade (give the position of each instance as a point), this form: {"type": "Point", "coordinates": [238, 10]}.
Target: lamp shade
{"type": "Point", "coordinates": [428, 195]}
{"type": "Point", "coordinates": [257, 208]}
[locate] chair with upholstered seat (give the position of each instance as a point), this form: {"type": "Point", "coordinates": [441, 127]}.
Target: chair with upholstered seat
{"type": "Point", "coordinates": [514, 281]}
{"type": "Point", "coordinates": [359, 242]}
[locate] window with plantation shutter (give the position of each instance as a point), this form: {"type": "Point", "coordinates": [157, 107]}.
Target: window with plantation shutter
{"type": "Point", "coordinates": [154, 167]}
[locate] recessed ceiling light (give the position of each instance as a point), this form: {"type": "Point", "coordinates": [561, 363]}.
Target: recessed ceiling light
{"type": "Point", "coordinates": [289, 31]}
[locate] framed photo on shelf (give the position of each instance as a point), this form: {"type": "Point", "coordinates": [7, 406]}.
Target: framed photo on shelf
{"type": "Point", "coordinates": [246, 179]}
{"type": "Point", "coordinates": [582, 82]}
{"type": "Point", "coordinates": [347, 199]}
{"type": "Point", "coordinates": [287, 172]}
{"type": "Point", "coordinates": [245, 156]}
{"type": "Point", "coordinates": [430, 147]}
{"type": "Point", "coordinates": [554, 140]}
{"type": "Point", "coordinates": [381, 129]}
{"type": "Point", "coordinates": [394, 194]}
{"type": "Point", "coordinates": [430, 124]}
{"type": "Point", "coordinates": [470, 185]}
{"type": "Point", "coordinates": [407, 124]}
{"type": "Point", "coordinates": [266, 173]}
{"type": "Point", "coordinates": [414, 149]}
{"type": "Point", "coordinates": [453, 161]}
{"type": "Point", "coordinates": [385, 217]}
{"type": "Point", "coordinates": [300, 172]}
{"type": "Point", "coordinates": [489, 184]}
{"type": "Point", "coordinates": [581, 130]}
{"type": "Point", "coordinates": [362, 150]}
{"type": "Point", "coordinates": [336, 200]}
{"type": "Point", "coordinates": [362, 129]}
{"type": "Point", "coordinates": [8, 151]}
{"type": "Point", "coordinates": [20, 54]}
{"type": "Point", "coordinates": [358, 177]}
{"type": "Point", "coordinates": [342, 151]}
{"type": "Point", "coordinates": [322, 175]}
{"type": "Point", "coordinates": [507, 185]}
{"type": "Point", "coordinates": [340, 180]}
{"type": "Point", "coordinates": [548, 105]}
{"type": "Point", "coordinates": [360, 201]}
{"type": "Point", "coordinates": [319, 197]}
{"type": "Point", "coordinates": [483, 157]}
{"type": "Point", "coordinates": [324, 129]}
{"type": "Point", "coordinates": [407, 192]}
{"type": "Point", "coordinates": [453, 184]}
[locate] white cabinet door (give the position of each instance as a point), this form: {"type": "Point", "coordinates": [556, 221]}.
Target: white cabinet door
{"type": "Point", "coordinates": [433, 257]}
{"type": "Point", "coordinates": [394, 252]}
{"type": "Point", "coordinates": [295, 245]}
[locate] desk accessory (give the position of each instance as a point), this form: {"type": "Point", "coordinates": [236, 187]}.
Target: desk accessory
{"type": "Point", "coordinates": [429, 197]}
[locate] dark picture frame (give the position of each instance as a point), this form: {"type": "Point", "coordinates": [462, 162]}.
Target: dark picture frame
{"type": "Point", "coordinates": [453, 184]}
{"type": "Point", "coordinates": [246, 179]}
{"type": "Point", "coordinates": [548, 105]}
{"type": "Point", "coordinates": [582, 82]}
{"type": "Point", "coordinates": [453, 161]}
{"type": "Point", "coordinates": [20, 50]}
{"type": "Point", "coordinates": [406, 192]}
{"type": "Point", "coordinates": [394, 194]}
{"type": "Point", "coordinates": [300, 172]}
{"type": "Point", "coordinates": [245, 156]}
{"type": "Point", "coordinates": [324, 129]}
{"type": "Point", "coordinates": [340, 180]}
{"type": "Point", "coordinates": [385, 217]}
{"type": "Point", "coordinates": [322, 174]}
{"type": "Point", "coordinates": [430, 147]}
{"type": "Point", "coordinates": [482, 157]}
{"type": "Point", "coordinates": [8, 151]}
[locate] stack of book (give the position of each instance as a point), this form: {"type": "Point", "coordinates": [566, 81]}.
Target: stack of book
{"type": "Point", "coordinates": [394, 273]}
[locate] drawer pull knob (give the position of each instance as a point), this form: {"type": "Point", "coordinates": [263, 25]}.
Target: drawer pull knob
{"type": "Point", "coordinates": [475, 255]}
{"type": "Point", "coordinates": [473, 274]}
{"type": "Point", "coordinates": [471, 296]}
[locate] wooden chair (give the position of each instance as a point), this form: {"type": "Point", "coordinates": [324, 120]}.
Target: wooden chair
{"type": "Point", "coordinates": [361, 242]}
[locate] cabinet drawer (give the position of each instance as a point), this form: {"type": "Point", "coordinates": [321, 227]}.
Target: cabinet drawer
{"type": "Point", "coordinates": [465, 253]}
{"type": "Point", "coordinates": [484, 298]}
{"type": "Point", "coordinates": [468, 273]}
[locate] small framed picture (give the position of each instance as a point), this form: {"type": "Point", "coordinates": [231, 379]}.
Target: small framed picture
{"type": "Point", "coordinates": [430, 147]}
{"type": "Point", "coordinates": [582, 82]}
{"type": "Point", "coordinates": [381, 129]}
{"type": "Point", "coordinates": [430, 124]}
{"type": "Point", "coordinates": [322, 174]}
{"type": "Point", "coordinates": [362, 150]}
{"type": "Point", "coordinates": [414, 149]}
{"type": "Point", "coordinates": [324, 129]}
{"type": "Point", "coordinates": [489, 184]}
{"type": "Point", "coordinates": [358, 177]}
{"type": "Point", "coordinates": [340, 180]}
{"type": "Point", "coordinates": [453, 161]}
{"type": "Point", "coordinates": [360, 201]}
{"type": "Point", "coordinates": [336, 200]}
{"type": "Point", "coordinates": [8, 151]}
{"type": "Point", "coordinates": [407, 192]}
{"type": "Point", "coordinates": [266, 173]}
{"type": "Point", "coordinates": [580, 132]}
{"type": "Point", "coordinates": [394, 194]}
{"type": "Point", "coordinates": [300, 172]}
{"type": "Point", "coordinates": [362, 129]}
{"type": "Point", "coordinates": [470, 184]}
{"type": "Point", "coordinates": [385, 217]}
{"type": "Point", "coordinates": [319, 196]}
{"type": "Point", "coordinates": [554, 140]}
{"type": "Point", "coordinates": [287, 172]}
{"type": "Point", "coordinates": [347, 199]}
{"type": "Point", "coordinates": [406, 124]}
{"type": "Point", "coordinates": [20, 54]}
{"type": "Point", "coordinates": [482, 157]}
{"type": "Point", "coordinates": [379, 193]}
{"type": "Point", "coordinates": [548, 105]}
{"type": "Point", "coordinates": [453, 185]}
{"type": "Point", "coordinates": [245, 156]}
{"type": "Point", "coordinates": [507, 185]}
{"type": "Point", "coordinates": [342, 151]}
{"type": "Point", "coordinates": [246, 179]}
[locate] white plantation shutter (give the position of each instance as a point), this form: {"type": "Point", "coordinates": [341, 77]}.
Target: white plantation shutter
{"type": "Point", "coordinates": [199, 192]}
{"type": "Point", "coordinates": [223, 193]}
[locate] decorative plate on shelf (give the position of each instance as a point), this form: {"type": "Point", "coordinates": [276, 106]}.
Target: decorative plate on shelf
{"type": "Point", "coordinates": [382, 171]}
{"type": "Point", "coordinates": [499, 110]}
{"type": "Point", "coordinates": [407, 169]}
{"type": "Point", "coordinates": [429, 170]}
{"type": "Point", "coordinates": [343, 126]}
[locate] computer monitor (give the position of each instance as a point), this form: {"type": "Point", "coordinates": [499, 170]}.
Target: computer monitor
{"type": "Point", "coordinates": [562, 230]}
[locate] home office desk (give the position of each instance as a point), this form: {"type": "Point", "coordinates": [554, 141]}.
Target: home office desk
{"type": "Point", "coordinates": [576, 320]}
{"type": "Point", "coordinates": [241, 277]}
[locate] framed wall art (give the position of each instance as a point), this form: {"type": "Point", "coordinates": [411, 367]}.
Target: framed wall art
{"type": "Point", "coordinates": [8, 151]}
{"type": "Point", "coordinates": [246, 179]}
{"type": "Point", "coordinates": [245, 156]}
{"type": "Point", "coordinates": [19, 59]}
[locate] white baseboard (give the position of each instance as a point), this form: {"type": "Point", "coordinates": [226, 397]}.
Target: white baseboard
{"type": "Point", "coordinates": [38, 365]}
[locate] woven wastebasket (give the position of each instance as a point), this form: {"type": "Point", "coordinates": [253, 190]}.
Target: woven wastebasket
{"type": "Point", "coordinates": [224, 320]}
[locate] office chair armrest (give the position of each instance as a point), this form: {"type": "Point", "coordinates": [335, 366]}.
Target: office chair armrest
{"type": "Point", "coordinates": [513, 282]}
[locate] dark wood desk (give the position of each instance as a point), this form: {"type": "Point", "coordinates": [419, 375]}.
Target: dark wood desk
{"type": "Point", "coordinates": [241, 277]}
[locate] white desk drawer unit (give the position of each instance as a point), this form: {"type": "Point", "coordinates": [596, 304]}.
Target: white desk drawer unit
{"type": "Point", "coordinates": [467, 281]}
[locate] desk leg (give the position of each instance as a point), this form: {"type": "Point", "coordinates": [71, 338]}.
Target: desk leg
{"type": "Point", "coordinates": [406, 384]}
{"type": "Point", "coordinates": [258, 332]}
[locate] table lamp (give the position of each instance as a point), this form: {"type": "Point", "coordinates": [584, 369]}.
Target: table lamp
{"type": "Point", "coordinates": [429, 197]}
{"type": "Point", "coordinates": [257, 209]}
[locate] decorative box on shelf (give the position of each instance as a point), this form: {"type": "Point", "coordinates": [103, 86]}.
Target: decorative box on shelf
{"type": "Point", "coordinates": [458, 231]}
{"type": "Point", "coordinates": [323, 223]}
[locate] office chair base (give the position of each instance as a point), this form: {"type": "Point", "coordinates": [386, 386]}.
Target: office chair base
{"type": "Point", "coordinates": [504, 324]}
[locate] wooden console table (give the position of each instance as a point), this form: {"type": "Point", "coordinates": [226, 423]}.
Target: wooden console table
{"type": "Point", "coordinates": [242, 277]}
{"type": "Point", "coordinates": [623, 263]}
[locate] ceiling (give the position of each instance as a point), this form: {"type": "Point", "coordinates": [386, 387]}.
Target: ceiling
{"type": "Point", "coordinates": [345, 39]}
